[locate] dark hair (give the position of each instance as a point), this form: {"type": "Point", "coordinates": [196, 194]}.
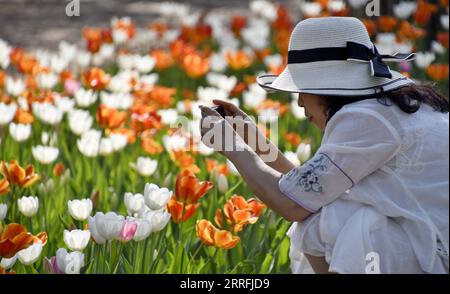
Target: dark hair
{"type": "Point", "coordinates": [408, 99]}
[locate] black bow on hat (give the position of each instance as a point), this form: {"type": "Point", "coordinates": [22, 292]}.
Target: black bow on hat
{"type": "Point", "coordinates": [352, 52]}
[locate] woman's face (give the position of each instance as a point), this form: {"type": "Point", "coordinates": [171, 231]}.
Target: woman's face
{"type": "Point", "coordinates": [315, 109]}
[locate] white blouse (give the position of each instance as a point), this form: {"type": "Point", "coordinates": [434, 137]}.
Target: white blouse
{"type": "Point", "coordinates": [379, 188]}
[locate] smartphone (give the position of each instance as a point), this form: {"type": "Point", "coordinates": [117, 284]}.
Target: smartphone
{"type": "Point", "coordinates": [219, 109]}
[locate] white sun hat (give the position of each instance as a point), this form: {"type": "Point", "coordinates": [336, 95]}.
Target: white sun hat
{"type": "Point", "coordinates": [335, 56]}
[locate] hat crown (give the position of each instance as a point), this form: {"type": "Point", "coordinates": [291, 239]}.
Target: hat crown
{"type": "Point", "coordinates": [328, 32]}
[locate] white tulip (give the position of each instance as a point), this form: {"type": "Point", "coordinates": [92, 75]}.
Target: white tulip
{"type": "Point", "coordinates": [292, 157]}
{"type": "Point", "coordinates": [168, 116]}
{"type": "Point", "coordinates": [67, 51]}
{"type": "Point", "coordinates": [3, 211]}
{"type": "Point", "coordinates": [83, 58]}
{"type": "Point", "coordinates": [150, 79]}
{"type": "Point", "coordinates": [134, 203]}
{"type": "Point", "coordinates": [20, 132]}
{"type": "Point", "coordinates": [218, 62]}
{"type": "Point", "coordinates": [221, 81]}
{"type": "Point", "coordinates": [28, 206]}
{"type": "Point", "coordinates": [310, 9]}
{"type": "Point", "coordinates": [85, 98]}
{"type": "Point", "coordinates": [105, 226]}
{"type": "Point", "coordinates": [14, 87]}
{"type": "Point", "coordinates": [65, 104]}
{"type": "Point", "coordinates": [144, 228]}
{"type": "Point", "coordinates": [8, 263]}
{"type": "Point", "coordinates": [47, 113]}
{"type": "Point", "coordinates": [404, 9]}
{"type": "Point", "coordinates": [145, 166]}
{"type": "Point", "coordinates": [106, 146]}
{"type": "Point", "coordinates": [77, 240]}
{"type": "Point", "coordinates": [424, 59]}
{"type": "Point", "coordinates": [222, 183]}
{"type": "Point", "coordinates": [207, 94]}
{"type": "Point", "coordinates": [232, 168]}
{"type": "Point", "coordinates": [264, 8]}
{"type": "Point", "coordinates": [47, 80]}
{"type": "Point", "coordinates": [89, 143]}
{"type": "Point", "coordinates": [444, 21]}
{"type": "Point", "coordinates": [125, 61]}
{"type": "Point", "coordinates": [303, 152]}
{"type": "Point", "coordinates": [119, 36]}
{"type": "Point", "coordinates": [118, 100]}
{"type": "Point", "coordinates": [175, 142]}
{"type": "Point", "coordinates": [155, 197]}
{"type": "Point", "coordinates": [297, 111]}
{"type": "Point", "coordinates": [158, 218]}
{"type": "Point", "coordinates": [80, 209]}
{"type": "Point", "coordinates": [106, 51]}
{"type": "Point", "coordinates": [31, 254]}
{"type": "Point", "coordinates": [69, 263]}
{"type": "Point", "coordinates": [119, 141]}
{"type": "Point", "coordinates": [437, 47]}
{"type": "Point", "coordinates": [5, 51]}
{"type": "Point", "coordinates": [144, 64]}
{"type": "Point", "coordinates": [45, 154]}
{"type": "Point", "coordinates": [80, 121]}
{"type": "Point", "coordinates": [254, 97]}
{"type": "Point", "coordinates": [7, 113]}
{"type": "Point", "coordinates": [335, 5]}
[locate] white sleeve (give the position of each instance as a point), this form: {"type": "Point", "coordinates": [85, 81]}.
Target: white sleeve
{"type": "Point", "coordinates": [356, 143]}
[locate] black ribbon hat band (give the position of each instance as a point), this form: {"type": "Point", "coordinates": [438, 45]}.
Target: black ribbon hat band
{"type": "Point", "coordinates": [352, 52]}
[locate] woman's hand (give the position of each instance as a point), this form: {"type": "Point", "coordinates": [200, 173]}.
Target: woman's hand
{"type": "Point", "coordinates": [217, 133]}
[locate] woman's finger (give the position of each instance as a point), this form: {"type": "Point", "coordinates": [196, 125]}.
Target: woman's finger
{"type": "Point", "coordinates": [230, 108]}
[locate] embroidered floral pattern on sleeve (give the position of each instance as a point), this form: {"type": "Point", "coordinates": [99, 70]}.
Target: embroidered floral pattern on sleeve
{"type": "Point", "coordinates": [307, 178]}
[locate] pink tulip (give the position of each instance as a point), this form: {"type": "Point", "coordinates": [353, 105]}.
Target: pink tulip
{"type": "Point", "coordinates": [51, 266]}
{"type": "Point", "coordinates": [128, 231]}
{"type": "Point", "coordinates": [71, 86]}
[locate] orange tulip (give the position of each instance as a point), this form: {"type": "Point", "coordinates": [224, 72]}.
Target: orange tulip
{"type": "Point", "coordinates": [387, 23]}
{"type": "Point", "coordinates": [129, 133]}
{"type": "Point", "coordinates": [281, 39]}
{"type": "Point", "coordinates": [15, 237]}
{"type": "Point", "coordinates": [16, 175]}
{"type": "Point", "coordinates": [371, 26]}
{"type": "Point", "coordinates": [239, 212]}
{"type": "Point", "coordinates": [442, 38]}
{"type": "Point", "coordinates": [407, 31]}
{"type": "Point", "coordinates": [438, 72]}
{"type": "Point", "coordinates": [283, 21]}
{"type": "Point", "coordinates": [110, 118]}
{"type": "Point", "coordinates": [24, 117]}
{"type": "Point", "coordinates": [195, 65]}
{"type": "Point", "coordinates": [162, 96]}
{"type": "Point", "coordinates": [211, 236]}
{"type": "Point", "coordinates": [188, 188]}
{"type": "Point", "coordinates": [150, 145]}
{"type": "Point", "coordinates": [181, 211]}
{"type": "Point", "coordinates": [128, 26]}
{"type": "Point", "coordinates": [237, 24]}
{"type": "Point", "coordinates": [163, 59]}
{"type": "Point", "coordinates": [2, 78]}
{"type": "Point", "coordinates": [58, 169]}
{"type": "Point", "coordinates": [238, 60]}
{"type": "Point", "coordinates": [95, 78]}
{"type": "Point", "coordinates": [94, 38]}
{"type": "Point", "coordinates": [214, 165]}
{"type": "Point", "coordinates": [293, 138]}
{"type": "Point", "coordinates": [184, 160]}
{"type": "Point", "coordinates": [424, 12]}
{"type": "Point", "coordinates": [4, 186]}
{"type": "Point", "coordinates": [141, 121]}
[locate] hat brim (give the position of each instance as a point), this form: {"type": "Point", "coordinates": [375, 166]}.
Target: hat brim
{"type": "Point", "coordinates": [337, 78]}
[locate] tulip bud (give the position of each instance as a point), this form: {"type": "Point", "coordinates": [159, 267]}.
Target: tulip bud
{"type": "Point", "coordinates": [303, 152]}
{"type": "Point", "coordinates": [156, 198]}
{"type": "Point", "coordinates": [134, 203]}
{"type": "Point", "coordinates": [80, 209]}
{"type": "Point", "coordinates": [222, 183]}
{"type": "Point", "coordinates": [68, 263]}
{"type": "Point", "coordinates": [76, 240]}
{"type": "Point", "coordinates": [3, 211]}
{"type": "Point", "coordinates": [28, 206]}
